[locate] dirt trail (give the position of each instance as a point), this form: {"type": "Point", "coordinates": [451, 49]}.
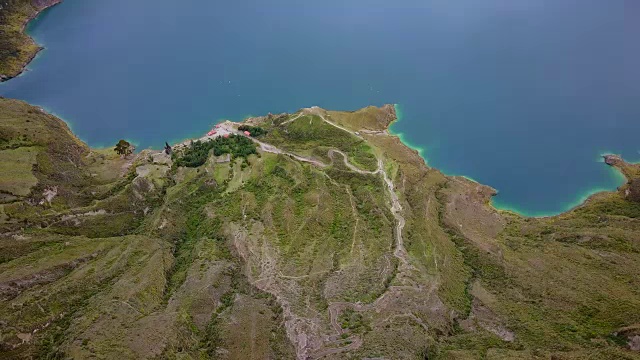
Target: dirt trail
{"type": "Point", "coordinates": [274, 150]}
{"type": "Point", "coordinates": [295, 332]}
{"type": "Point", "coordinates": [314, 110]}
{"type": "Point", "coordinates": [293, 118]}
{"type": "Point", "coordinates": [396, 209]}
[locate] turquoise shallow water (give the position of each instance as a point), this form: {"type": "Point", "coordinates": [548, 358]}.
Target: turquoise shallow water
{"type": "Point", "coordinates": [521, 95]}
{"type": "Point", "coordinates": [613, 176]}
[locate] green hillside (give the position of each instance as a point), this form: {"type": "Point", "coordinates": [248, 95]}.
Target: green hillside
{"type": "Point", "coordinates": [314, 243]}
{"type": "Point", "coordinates": [16, 48]}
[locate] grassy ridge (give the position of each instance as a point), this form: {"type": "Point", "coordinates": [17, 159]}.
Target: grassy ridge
{"type": "Point", "coordinates": [311, 136]}
{"type": "Point", "coordinates": [552, 280]}
{"type": "Point", "coordinates": [144, 258]}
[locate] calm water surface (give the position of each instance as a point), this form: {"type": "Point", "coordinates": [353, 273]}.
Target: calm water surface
{"type": "Point", "coordinates": [521, 95]}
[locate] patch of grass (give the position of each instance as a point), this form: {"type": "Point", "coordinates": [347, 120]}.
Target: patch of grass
{"type": "Point", "coordinates": [60, 159]}
{"type": "Point", "coordinates": [100, 225]}
{"type": "Point", "coordinates": [363, 157]}
{"type": "Point", "coordinates": [16, 166]}
{"type": "Point", "coordinates": [353, 321]}
{"type": "Point", "coordinates": [309, 135]}
{"type": "Point", "coordinates": [371, 118]}
{"type": "Point", "coordinates": [196, 227]}
{"type": "Point", "coordinates": [611, 205]}
{"type": "Point", "coordinates": [475, 344]}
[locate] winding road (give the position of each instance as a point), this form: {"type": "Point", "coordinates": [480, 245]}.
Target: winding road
{"type": "Point", "coordinates": [354, 341]}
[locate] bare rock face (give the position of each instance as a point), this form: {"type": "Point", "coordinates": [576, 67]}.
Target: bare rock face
{"type": "Point", "coordinates": [632, 333]}
{"type": "Point", "coordinates": [633, 192]}
{"type": "Point", "coordinates": [387, 115]}
{"type": "Point", "coordinates": [634, 343]}
{"type": "Point", "coordinates": [612, 159]}
{"type": "Point", "coordinates": [43, 4]}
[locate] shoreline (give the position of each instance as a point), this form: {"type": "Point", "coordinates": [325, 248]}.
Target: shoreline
{"type": "Point", "coordinates": [582, 199]}
{"type": "Point", "coordinates": [581, 202]}
{"type": "Point", "coordinates": [23, 67]}
{"type": "Point", "coordinates": [400, 136]}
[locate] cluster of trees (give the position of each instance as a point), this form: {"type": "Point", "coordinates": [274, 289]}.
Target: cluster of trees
{"type": "Point", "coordinates": [254, 130]}
{"type": "Point", "coordinates": [198, 152]}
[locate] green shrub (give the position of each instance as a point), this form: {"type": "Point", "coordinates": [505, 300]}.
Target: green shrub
{"type": "Point", "coordinates": [254, 130]}
{"type": "Point", "coordinates": [197, 153]}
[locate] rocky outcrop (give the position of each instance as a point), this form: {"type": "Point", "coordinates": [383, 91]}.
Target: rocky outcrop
{"type": "Point", "coordinates": [43, 4]}
{"type": "Point", "coordinates": [612, 160]}
{"type": "Point", "coordinates": [387, 115]}
{"type": "Point", "coordinates": [633, 192]}
{"type": "Point", "coordinates": [632, 334]}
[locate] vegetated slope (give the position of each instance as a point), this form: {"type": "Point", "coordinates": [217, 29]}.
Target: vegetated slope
{"type": "Point", "coordinates": [16, 48]}
{"type": "Point", "coordinates": [324, 244]}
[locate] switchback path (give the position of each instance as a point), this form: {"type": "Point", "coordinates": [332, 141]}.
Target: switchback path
{"type": "Point", "coordinates": [399, 252]}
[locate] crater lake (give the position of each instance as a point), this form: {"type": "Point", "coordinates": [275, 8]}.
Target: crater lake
{"type": "Point", "coordinates": [520, 95]}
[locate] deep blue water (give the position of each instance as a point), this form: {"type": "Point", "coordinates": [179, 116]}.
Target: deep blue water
{"type": "Point", "coordinates": [522, 95]}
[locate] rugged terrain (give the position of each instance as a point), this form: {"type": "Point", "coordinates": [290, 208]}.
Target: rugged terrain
{"type": "Point", "coordinates": [333, 240]}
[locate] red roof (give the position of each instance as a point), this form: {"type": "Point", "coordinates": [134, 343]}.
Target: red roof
{"type": "Point", "coordinates": [247, 133]}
